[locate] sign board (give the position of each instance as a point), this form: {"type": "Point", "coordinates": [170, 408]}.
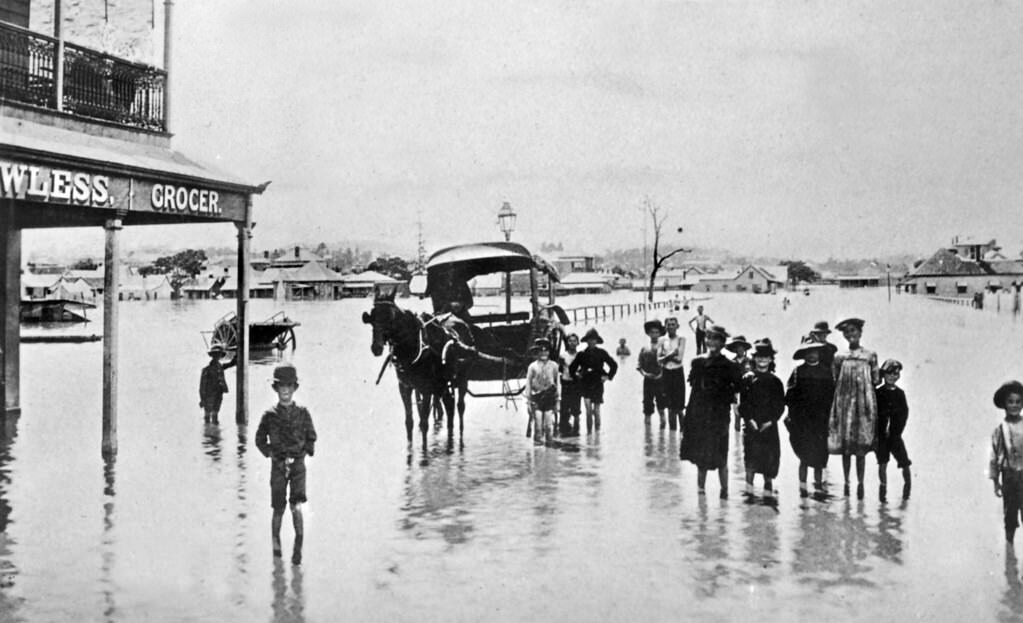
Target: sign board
{"type": "Point", "coordinates": [41, 183]}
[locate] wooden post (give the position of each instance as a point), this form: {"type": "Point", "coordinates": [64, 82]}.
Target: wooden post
{"type": "Point", "coordinates": [10, 321]}
{"type": "Point", "coordinates": [168, 7]}
{"type": "Point", "coordinates": [111, 273]}
{"type": "Point", "coordinates": [241, 415]}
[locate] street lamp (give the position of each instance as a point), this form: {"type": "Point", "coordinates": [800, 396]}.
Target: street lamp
{"type": "Point", "coordinates": [888, 271]}
{"type": "Point", "coordinates": [506, 220]}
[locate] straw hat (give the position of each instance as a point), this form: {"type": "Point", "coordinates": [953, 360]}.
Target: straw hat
{"type": "Point", "coordinates": [807, 347]}
{"type": "Point", "coordinates": [850, 322]}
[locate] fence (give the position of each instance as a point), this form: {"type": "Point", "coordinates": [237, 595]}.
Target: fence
{"type": "Point", "coordinates": [613, 311]}
{"type": "Point", "coordinates": [992, 302]}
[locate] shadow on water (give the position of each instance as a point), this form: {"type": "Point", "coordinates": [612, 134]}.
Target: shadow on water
{"type": "Point", "coordinates": [109, 542]}
{"type": "Point", "coordinates": [288, 606]}
{"type": "Point", "coordinates": [9, 604]}
{"type": "Point", "coordinates": [711, 569]}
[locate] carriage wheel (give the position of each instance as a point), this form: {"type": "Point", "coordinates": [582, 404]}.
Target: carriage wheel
{"type": "Point", "coordinates": [225, 333]}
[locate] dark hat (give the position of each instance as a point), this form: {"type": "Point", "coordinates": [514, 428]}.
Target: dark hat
{"type": "Point", "coordinates": [820, 327]}
{"type": "Point", "coordinates": [540, 343]}
{"type": "Point", "coordinates": [653, 324]}
{"type": "Point", "coordinates": [850, 322]}
{"type": "Point", "coordinates": [285, 373]}
{"type": "Point", "coordinates": [806, 347]}
{"type": "Point", "coordinates": [763, 348]}
{"type": "Point", "coordinates": [216, 349]}
{"type": "Point", "coordinates": [891, 365]}
{"type": "Point", "coordinates": [717, 331]}
{"type": "Point", "coordinates": [1009, 387]}
{"type": "Point", "coordinates": [593, 335]}
{"type": "Point", "coordinates": [738, 340]}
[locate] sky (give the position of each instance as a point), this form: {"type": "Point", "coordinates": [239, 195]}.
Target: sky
{"type": "Point", "coordinates": [791, 129]}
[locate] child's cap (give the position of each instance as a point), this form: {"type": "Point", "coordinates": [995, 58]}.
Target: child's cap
{"type": "Point", "coordinates": [891, 365]}
{"type": "Point", "coordinates": [285, 373]}
{"type": "Point", "coordinates": [1009, 387]}
{"type": "Point", "coordinates": [216, 350]}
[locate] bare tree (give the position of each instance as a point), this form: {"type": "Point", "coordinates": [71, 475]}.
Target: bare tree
{"type": "Point", "coordinates": [658, 219]}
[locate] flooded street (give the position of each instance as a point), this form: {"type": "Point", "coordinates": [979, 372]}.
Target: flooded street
{"type": "Point", "coordinates": [605, 527]}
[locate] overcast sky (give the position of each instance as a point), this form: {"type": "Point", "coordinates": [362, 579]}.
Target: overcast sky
{"type": "Point", "coordinates": [787, 128]}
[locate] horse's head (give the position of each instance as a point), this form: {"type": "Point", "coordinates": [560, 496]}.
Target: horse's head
{"type": "Point", "coordinates": [384, 320]}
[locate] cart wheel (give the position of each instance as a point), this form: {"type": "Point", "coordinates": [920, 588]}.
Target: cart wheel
{"type": "Point", "coordinates": [225, 333]}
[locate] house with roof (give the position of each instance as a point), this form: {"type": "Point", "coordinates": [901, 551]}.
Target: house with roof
{"type": "Point", "coordinates": [750, 278]}
{"type": "Point", "coordinates": [584, 282]}
{"type": "Point", "coordinates": [364, 284]}
{"type": "Point", "coordinates": [294, 258]}
{"type": "Point", "coordinates": [963, 269]}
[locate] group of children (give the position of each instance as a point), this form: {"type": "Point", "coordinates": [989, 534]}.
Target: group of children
{"type": "Point", "coordinates": [836, 402]}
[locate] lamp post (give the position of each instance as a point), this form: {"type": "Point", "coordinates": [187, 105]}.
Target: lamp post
{"type": "Point", "coordinates": [506, 222]}
{"type": "Point", "coordinates": [888, 271]}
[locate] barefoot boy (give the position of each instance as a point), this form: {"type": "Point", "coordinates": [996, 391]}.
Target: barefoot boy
{"type": "Point", "coordinates": [1006, 468]}
{"type": "Point", "coordinates": [286, 435]}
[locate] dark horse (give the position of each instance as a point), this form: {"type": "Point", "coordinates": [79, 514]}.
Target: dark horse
{"type": "Point", "coordinates": [426, 357]}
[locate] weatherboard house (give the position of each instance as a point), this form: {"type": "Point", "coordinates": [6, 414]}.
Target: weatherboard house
{"type": "Point", "coordinates": [964, 268]}
{"type": "Point", "coordinates": [751, 278]}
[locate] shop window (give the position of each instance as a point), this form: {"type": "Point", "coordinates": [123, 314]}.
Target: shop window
{"type": "Point", "coordinates": [960, 288]}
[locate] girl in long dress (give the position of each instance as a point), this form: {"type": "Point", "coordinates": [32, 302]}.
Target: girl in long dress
{"type": "Point", "coordinates": [714, 383]}
{"type": "Point", "coordinates": [809, 394]}
{"type": "Point", "coordinates": [761, 405]}
{"type": "Point", "coordinates": [852, 427]}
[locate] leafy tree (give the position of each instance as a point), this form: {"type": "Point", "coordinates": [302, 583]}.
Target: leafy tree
{"type": "Point", "coordinates": [392, 266]}
{"type": "Point", "coordinates": [799, 271]}
{"type": "Point", "coordinates": [658, 219]}
{"type": "Point", "coordinates": [179, 268]}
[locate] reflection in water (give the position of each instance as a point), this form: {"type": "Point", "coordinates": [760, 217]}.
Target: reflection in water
{"type": "Point", "coordinates": [889, 534]}
{"type": "Point", "coordinates": [241, 556]}
{"type": "Point", "coordinates": [1012, 600]}
{"type": "Point", "coordinates": [288, 607]}
{"type": "Point", "coordinates": [833, 549]}
{"type": "Point", "coordinates": [544, 485]}
{"type": "Point", "coordinates": [437, 499]}
{"type": "Point", "coordinates": [108, 542]}
{"type": "Point", "coordinates": [710, 570]}
{"type": "Point", "coordinates": [211, 441]}
{"type": "Point", "coordinates": [664, 468]}
{"type": "Point", "coordinates": [8, 571]}
{"type": "Point", "coordinates": [760, 527]}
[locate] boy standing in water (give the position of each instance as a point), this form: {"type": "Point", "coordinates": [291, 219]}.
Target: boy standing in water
{"type": "Point", "coordinates": [653, 373]}
{"type": "Point", "coordinates": [1006, 468]}
{"type": "Point", "coordinates": [286, 436]}
{"type": "Point", "coordinates": [892, 413]}
{"type": "Point", "coordinates": [544, 390]}
{"type": "Point", "coordinates": [212, 386]}
{"type": "Point", "coordinates": [571, 400]}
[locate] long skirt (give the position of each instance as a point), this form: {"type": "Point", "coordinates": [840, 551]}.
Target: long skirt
{"type": "Point", "coordinates": [761, 451]}
{"type": "Point", "coordinates": [705, 435]}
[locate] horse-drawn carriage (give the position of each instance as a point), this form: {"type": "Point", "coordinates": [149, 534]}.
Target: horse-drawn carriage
{"type": "Point", "coordinates": [454, 346]}
{"type": "Point", "coordinates": [275, 333]}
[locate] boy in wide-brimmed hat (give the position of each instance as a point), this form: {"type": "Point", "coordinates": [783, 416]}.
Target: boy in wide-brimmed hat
{"type": "Point", "coordinates": [819, 334]}
{"type": "Point", "coordinates": [652, 371]}
{"type": "Point", "coordinates": [1006, 467]}
{"type": "Point", "coordinates": [212, 385]}
{"type": "Point", "coordinates": [593, 367]}
{"type": "Point", "coordinates": [286, 436]}
{"type": "Point", "coordinates": [543, 389]}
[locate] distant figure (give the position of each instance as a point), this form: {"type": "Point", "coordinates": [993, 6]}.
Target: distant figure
{"type": "Point", "coordinates": [1006, 467]}
{"type": "Point", "coordinates": [714, 382]}
{"type": "Point", "coordinates": [852, 427]}
{"type": "Point", "coordinates": [622, 351]}
{"type": "Point", "coordinates": [593, 367]}
{"type": "Point", "coordinates": [543, 389]}
{"type": "Point", "coordinates": [653, 373]}
{"type": "Point", "coordinates": [810, 391]}
{"type": "Point", "coordinates": [978, 300]}
{"type": "Point", "coordinates": [761, 405]}
{"type": "Point", "coordinates": [571, 400]}
{"type": "Point", "coordinates": [892, 414]}
{"type": "Point", "coordinates": [785, 303]}
{"type": "Point", "coordinates": [212, 386]}
{"type": "Point", "coordinates": [670, 350]}
{"type": "Point", "coordinates": [286, 436]}
{"type": "Point", "coordinates": [676, 305]}
{"type": "Point", "coordinates": [698, 324]}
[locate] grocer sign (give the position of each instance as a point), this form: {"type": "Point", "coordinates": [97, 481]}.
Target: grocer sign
{"type": "Point", "coordinates": [54, 185]}
{"type": "Point", "coordinates": [187, 200]}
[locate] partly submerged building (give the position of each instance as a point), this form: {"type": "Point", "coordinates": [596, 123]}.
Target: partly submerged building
{"type": "Point", "coordinates": [964, 268]}
{"type": "Point", "coordinates": [751, 278]}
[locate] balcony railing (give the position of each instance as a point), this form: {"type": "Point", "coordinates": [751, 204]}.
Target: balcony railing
{"type": "Point", "coordinates": [96, 85]}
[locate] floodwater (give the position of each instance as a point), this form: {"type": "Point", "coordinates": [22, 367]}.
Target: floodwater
{"type": "Point", "coordinates": [489, 526]}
